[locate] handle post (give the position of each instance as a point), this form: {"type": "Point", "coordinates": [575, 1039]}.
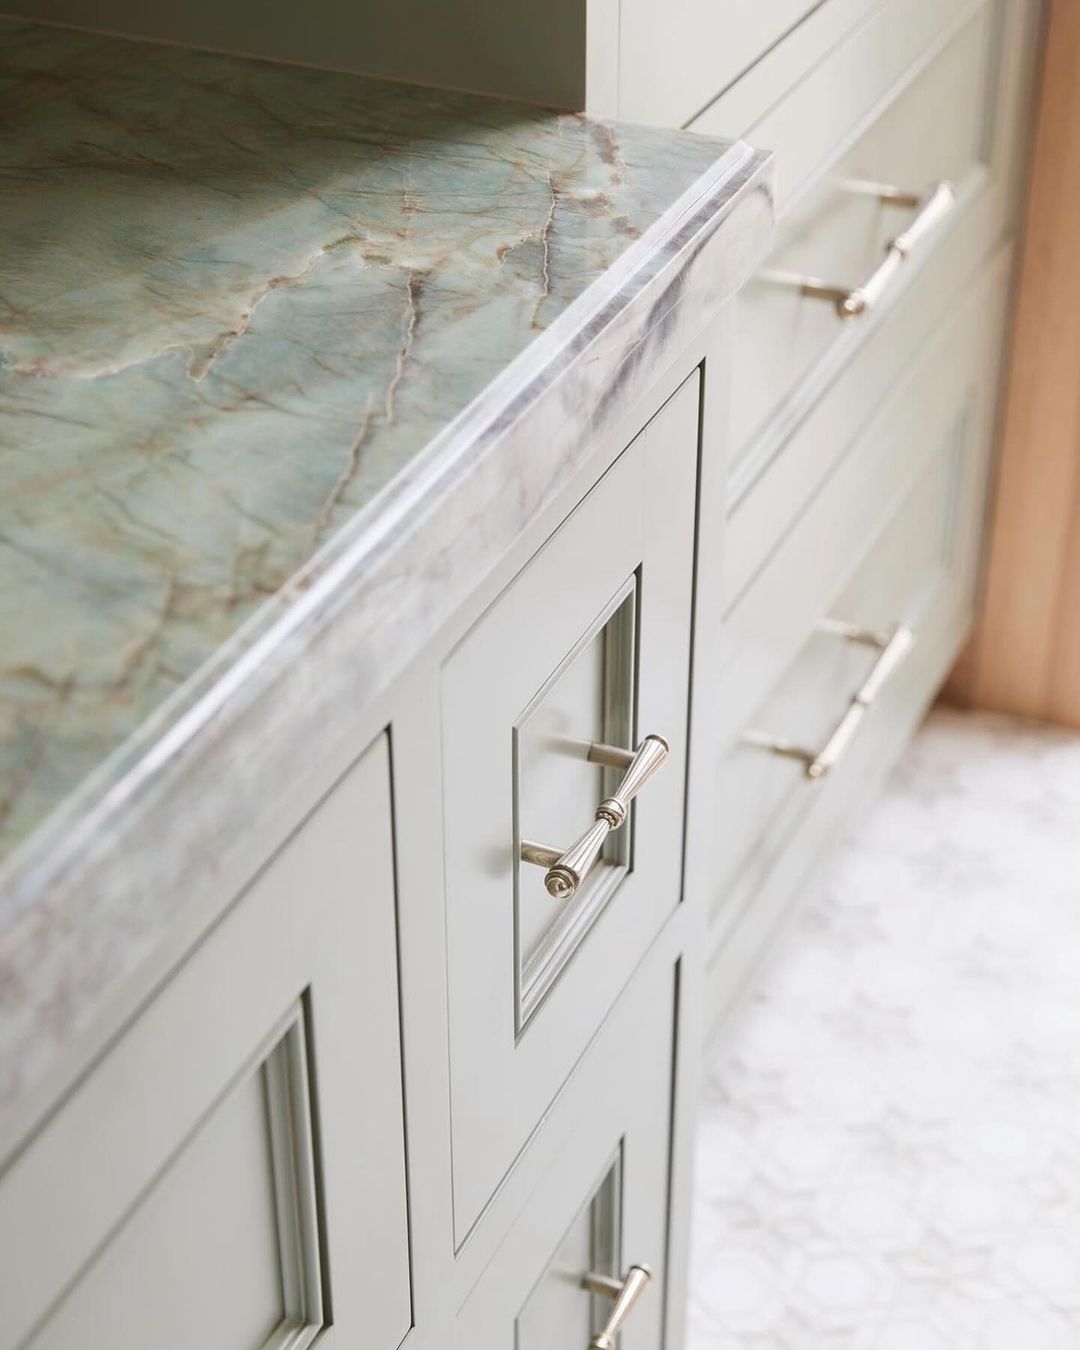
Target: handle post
{"type": "Point", "coordinates": [930, 214]}
{"type": "Point", "coordinates": [851, 302]}
{"type": "Point", "coordinates": [894, 647]}
{"type": "Point", "coordinates": [631, 1289]}
{"type": "Point", "coordinates": [568, 868]}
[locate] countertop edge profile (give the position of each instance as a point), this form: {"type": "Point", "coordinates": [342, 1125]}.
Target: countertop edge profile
{"type": "Point", "coordinates": [75, 917]}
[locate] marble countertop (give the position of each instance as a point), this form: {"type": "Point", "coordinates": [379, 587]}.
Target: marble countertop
{"type": "Point", "coordinates": [256, 323]}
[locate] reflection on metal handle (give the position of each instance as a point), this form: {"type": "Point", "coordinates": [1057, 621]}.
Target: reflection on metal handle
{"type": "Point", "coordinates": [894, 646]}
{"type": "Point", "coordinates": [567, 868]}
{"type": "Point", "coordinates": [850, 302]}
{"type": "Point", "coordinates": [625, 1293]}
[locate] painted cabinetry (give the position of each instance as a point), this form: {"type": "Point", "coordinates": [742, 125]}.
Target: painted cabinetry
{"type": "Point", "coordinates": [427, 1078]}
{"type": "Point", "coordinates": [232, 1172]}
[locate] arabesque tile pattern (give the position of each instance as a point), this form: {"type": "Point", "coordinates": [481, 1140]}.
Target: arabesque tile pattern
{"type": "Point", "coordinates": [889, 1149]}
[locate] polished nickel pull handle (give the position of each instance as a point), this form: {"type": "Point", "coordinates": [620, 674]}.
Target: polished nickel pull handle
{"type": "Point", "coordinates": [852, 302]}
{"type": "Point", "coordinates": [894, 646]}
{"type": "Point", "coordinates": [568, 868]}
{"type": "Point", "coordinates": [625, 1293]}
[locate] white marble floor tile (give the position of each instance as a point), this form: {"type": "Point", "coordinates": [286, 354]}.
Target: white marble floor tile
{"type": "Point", "coordinates": [889, 1148]}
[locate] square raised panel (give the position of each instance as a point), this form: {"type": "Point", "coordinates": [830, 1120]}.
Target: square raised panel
{"type": "Point", "coordinates": [582, 657]}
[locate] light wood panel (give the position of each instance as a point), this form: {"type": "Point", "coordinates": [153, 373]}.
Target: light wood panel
{"type": "Point", "coordinates": [1025, 657]}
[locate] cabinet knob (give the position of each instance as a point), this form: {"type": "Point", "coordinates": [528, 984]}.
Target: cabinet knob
{"type": "Point", "coordinates": [568, 868]}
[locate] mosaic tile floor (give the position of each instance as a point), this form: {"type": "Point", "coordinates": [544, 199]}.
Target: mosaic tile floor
{"type": "Point", "coordinates": [889, 1151]}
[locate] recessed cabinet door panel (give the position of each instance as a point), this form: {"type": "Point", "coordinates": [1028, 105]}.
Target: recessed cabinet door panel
{"type": "Point", "coordinates": [600, 1208]}
{"type": "Point", "coordinates": [587, 647]}
{"type": "Point", "coordinates": [910, 570]}
{"type": "Point", "coordinates": [206, 1237]}
{"type": "Point", "coordinates": [231, 1174]}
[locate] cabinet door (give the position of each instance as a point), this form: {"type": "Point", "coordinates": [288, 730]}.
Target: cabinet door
{"type": "Point", "coordinates": [231, 1174]}
{"type": "Point", "coordinates": [588, 645]}
{"type": "Point", "coordinates": [600, 1209]}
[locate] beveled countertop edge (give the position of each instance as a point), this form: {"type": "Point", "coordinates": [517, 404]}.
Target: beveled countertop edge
{"type": "Point", "coordinates": [85, 897]}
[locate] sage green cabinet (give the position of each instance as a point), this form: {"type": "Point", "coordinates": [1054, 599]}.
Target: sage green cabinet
{"type": "Point", "coordinates": [232, 1173]}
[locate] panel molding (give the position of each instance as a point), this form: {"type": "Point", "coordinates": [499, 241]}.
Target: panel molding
{"type": "Point", "coordinates": [536, 974]}
{"type": "Point", "coordinates": [290, 1120]}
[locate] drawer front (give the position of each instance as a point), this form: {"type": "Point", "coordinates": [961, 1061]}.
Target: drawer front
{"type": "Point", "coordinates": [906, 573]}
{"type": "Point", "coordinates": [675, 58]}
{"type": "Point", "coordinates": [811, 111]}
{"type": "Point", "coordinates": [589, 646]}
{"type": "Point", "coordinates": [891, 542]}
{"type": "Point", "coordinates": [935, 132]}
{"type": "Point", "coordinates": [196, 1189]}
{"type": "Point", "coordinates": [600, 1209]}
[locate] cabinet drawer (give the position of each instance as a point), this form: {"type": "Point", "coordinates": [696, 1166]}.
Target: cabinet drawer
{"type": "Point", "coordinates": [588, 646]}
{"type": "Point", "coordinates": [675, 58]}
{"type": "Point", "coordinates": [920, 166]}
{"type": "Point", "coordinates": [600, 1208]}
{"type": "Point", "coordinates": [196, 1189]}
{"type": "Point", "coordinates": [891, 541]}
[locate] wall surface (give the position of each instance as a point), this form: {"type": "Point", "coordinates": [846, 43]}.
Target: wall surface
{"type": "Point", "coordinates": [534, 49]}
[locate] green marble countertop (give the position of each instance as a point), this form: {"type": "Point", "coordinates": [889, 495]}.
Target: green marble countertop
{"type": "Point", "coordinates": [289, 362]}
{"type": "Point", "coordinates": [236, 298]}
